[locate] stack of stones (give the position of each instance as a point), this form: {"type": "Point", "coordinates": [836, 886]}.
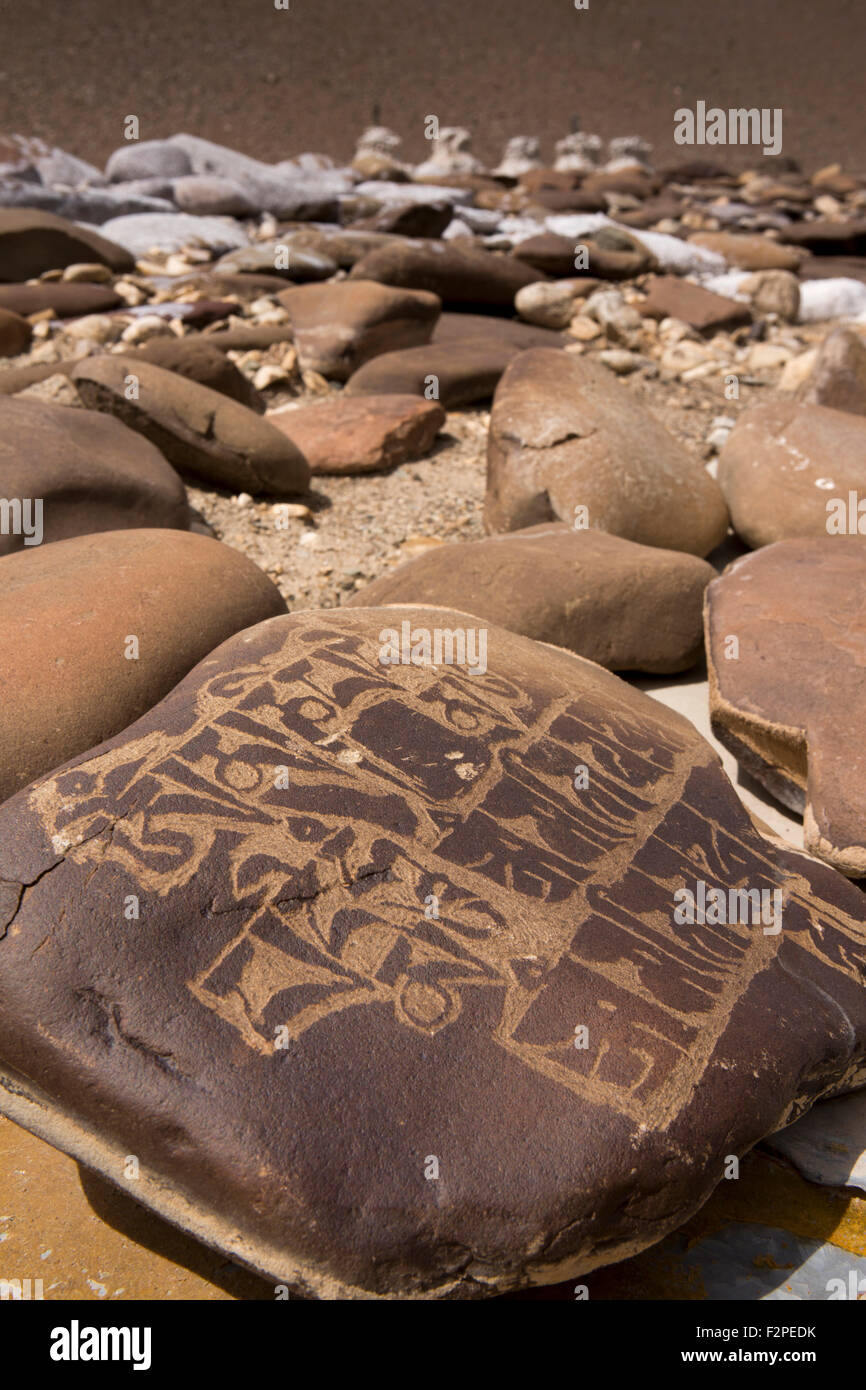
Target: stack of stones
{"type": "Point", "coordinates": [467, 966]}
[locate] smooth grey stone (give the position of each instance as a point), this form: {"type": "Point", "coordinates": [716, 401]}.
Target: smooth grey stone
{"type": "Point", "coordinates": [147, 159]}
{"type": "Point", "coordinates": [29, 195]}
{"type": "Point", "coordinates": [57, 167]}
{"type": "Point", "coordinates": [304, 264]}
{"type": "Point", "coordinates": [170, 231]}
{"type": "Point", "coordinates": [750, 1263]}
{"type": "Point", "coordinates": [285, 191]}
{"type": "Point", "coordinates": [99, 205]}
{"type": "Point", "coordinates": [91, 205]}
{"type": "Point", "coordinates": [828, 1145]}
{"type": "Point", "coordinates": [389, 193]}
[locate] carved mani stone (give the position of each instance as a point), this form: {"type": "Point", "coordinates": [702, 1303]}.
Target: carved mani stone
{"type": "Point", "coordinates": [788, 696]}
{"type": "Point", "coordinates": [406, 1010]}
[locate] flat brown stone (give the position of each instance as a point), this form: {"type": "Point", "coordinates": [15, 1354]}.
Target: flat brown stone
{"type": "Point", "coordinates": [378, 892]}
{"type": "Point", "coordinates": [32, 242]}
{"type": "Point", "coordinates": [561, 180]}
{"type": "Point", "coordinates": [573, 200]}
{"type": "Point", "coordinates": [749, 252]}
{"type": "Point", "coordinates": [408, 219]}
{"type": "Point", "coordinates": [258, 335]}
{"type": "Point", "coordinates": [339, 327]}
{"type": "Point", "coordinates": [834, 268]}
{"type": "Point", "coordinates": [653, 210]}
{"type": "Point", "coordinates": [454, 373]}
{"type": "Point", "coordinates": [788, 696]}
{"type": "Point", "coordinates": [363, 434]}
{"type": "Point", "coordinates": [196, 358]}
{"type": "Point", "coordinates": [198, 430]}
{"type": "Point", "coordinates": [611, 255]}
{"type": "Point", "coordinates": [668, 296]}
{"type": "Point", "coordinates": [68, 613]}
{"type": "Point", "coordinates": [827, 237]}
{"type": "Point", "coordinates": [459, 276]}
{"type": "Point", "coordinates": [633, 181]}
{"type": "Point", "coordinates": [785, 465]}
{"type": "Point", "coordinates": [629, 607]}
{"type": "Point", "coordinates": [245, 285]}
{"type": "Point", "coordinates": [465, 328]}
{"type": "Point", "coordinates": [462, 363]}
{"type": "Point", "coordinates": [65, 299]}
{"type": "Point", "coordinates": [569, 443]}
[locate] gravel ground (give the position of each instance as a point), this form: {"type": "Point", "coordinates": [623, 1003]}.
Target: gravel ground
{"type": "Point", "coordinates": [359, 527]}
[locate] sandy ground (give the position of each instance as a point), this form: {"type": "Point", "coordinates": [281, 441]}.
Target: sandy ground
{"type": "Point", "coordinates": [360, 527]}
{"type": "Point", "coordinates": [275, 82]}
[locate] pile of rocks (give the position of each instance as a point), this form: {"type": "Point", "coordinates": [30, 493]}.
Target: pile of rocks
{"type": "Point", "coordinates": [417, 833]}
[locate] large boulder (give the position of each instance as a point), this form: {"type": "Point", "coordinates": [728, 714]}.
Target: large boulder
{"type": "Point", "coordinates": [80, 472]}
{"type": "Point", "coordinates": [32, 242]}
{"type": "Point", "coordinates": [96, 629]}
{"type": "Point", "coordinates": [786, 647]}
{"type": "Point", "coordinates": [569, 443]}
{"type": "Point", "coordinates": [338, 327]}
{"type": "Point", "coordinates": [629, 607]}
{"type": "Point", "coordinates": [786, 468]}
{"type": "Point", "coordinates": [430, 1011]}
{"type": "Point", "coordinates": [200, 431]}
